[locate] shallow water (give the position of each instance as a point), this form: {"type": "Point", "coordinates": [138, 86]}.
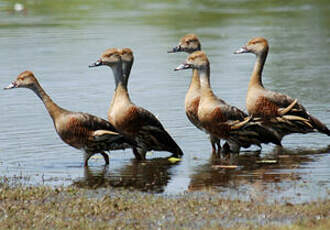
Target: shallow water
{"type": "Point", "coordinates": [57, 40]}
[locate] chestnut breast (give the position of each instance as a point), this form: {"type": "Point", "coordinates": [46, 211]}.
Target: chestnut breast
{"type": "Point", "coordinates": [71, 131]}
{"type": "Point", "coordinates": [257, 104]}
{"type": "Point", "coordinates": [191, 107]}
{"type": "Point", "coordinates": [213, 120]}
{"type": "Point", "coordinates": [126, 119]}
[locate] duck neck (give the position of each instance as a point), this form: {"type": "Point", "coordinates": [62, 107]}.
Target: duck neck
{"type": "Point", "coordinates": [204, 76]}
{"type": "Point", "coordinates": [126, 70]}
{"type": "Point", "coordinates": [195, 81]}
{"type": "Point", "coordinates": [118, 74]}
{"type": "Point", "coordinates": [121, 92]}
{"type": "Point", "coordinates": [256, 77]}
{"type": "Point", "coordinates": [53, 109]}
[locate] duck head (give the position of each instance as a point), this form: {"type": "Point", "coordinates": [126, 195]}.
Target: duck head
{"type": "Point", "coordinates": [25, 79]}
{"type": "Point", "coordinates": [188, 43]}
{"type": "Point", "coordinates": [109, 57]}
{"type": "Point", "coordinates": [196, 60]}
{"type": "Point", "coordinates": [127, 55]}
{"type": "Point", "coordinates": [258, 46]}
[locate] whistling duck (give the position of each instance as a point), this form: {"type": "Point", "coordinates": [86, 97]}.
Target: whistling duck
{"type": "Point", "coordinates": [133, 121]}
{"type": "Point", "coordinates": [79, 130]}
{"type": "Point", "coordinates": [189, 44]}
{"type": "Point", "coordinates": [283, 113]}
{"type": "Point", "coordinates": [220, 119]}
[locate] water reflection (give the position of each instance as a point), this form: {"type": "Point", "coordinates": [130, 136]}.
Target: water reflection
{"type": "Point", "coordinates": [151, 175]}
{"type": "Point", "coordinates": [250, 168]}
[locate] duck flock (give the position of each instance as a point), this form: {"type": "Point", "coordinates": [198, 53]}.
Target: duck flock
{"type": "Point", "coordinates": [271, 115]}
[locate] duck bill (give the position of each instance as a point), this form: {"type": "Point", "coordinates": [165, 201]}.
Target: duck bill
{"type": "Point", "coordinates": [95, 64]}
{"type": "Point", "coordinates": [11, 86]}
{"type": "Point", "coordinates": [175, 49]}
{"type": "Point", "coordinates": [183, 66]}
{"type": "Point", "coordinates": [241, 51]}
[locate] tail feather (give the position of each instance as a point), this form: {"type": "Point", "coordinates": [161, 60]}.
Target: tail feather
{"type": "Point", "coordinates": [266, 135]}
{"type": "Point", "coordinates": [297, 123]}
{"type": "Point", "coordinates": [311, 123]}
{"type": "Point", "coordinates": [175, 150]}
{"type": "Point", "coordinates": [161, 140]}
{"type": "Point", "coordinates": [255, 133]}
{"type": "Point", "coordinates": [322, 128]}
{"type": "Point", "coordinates": [287, 124]}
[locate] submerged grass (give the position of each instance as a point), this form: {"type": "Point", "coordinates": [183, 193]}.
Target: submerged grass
{"type": "Point", "coordinates": [42, 207]}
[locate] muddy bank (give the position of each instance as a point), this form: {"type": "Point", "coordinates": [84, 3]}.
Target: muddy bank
{"type": "Point", "coordinates": [78, 208]}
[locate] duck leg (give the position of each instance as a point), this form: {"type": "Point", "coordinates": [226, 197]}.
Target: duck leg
{"type": "Point", "coordinates": [218, 143]}
{"type": "Point", "coordinates": [86, 158]}
{"type": "Point", "coordinates": [216, 147]}
{"type": "Point", "coordinates": [214, 151]}
{"type": "Point", "coordinates": [106, 157]}
{"type": "Point", "coordinates": [226, 148]}
{"type": "Point", "coordinates": [139, 154]}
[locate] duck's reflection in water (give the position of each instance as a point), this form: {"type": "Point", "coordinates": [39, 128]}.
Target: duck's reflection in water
{"type": "Point", "coordinates": [252, 168]}
{"type": "Point", "coordinates": [150, 175]}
